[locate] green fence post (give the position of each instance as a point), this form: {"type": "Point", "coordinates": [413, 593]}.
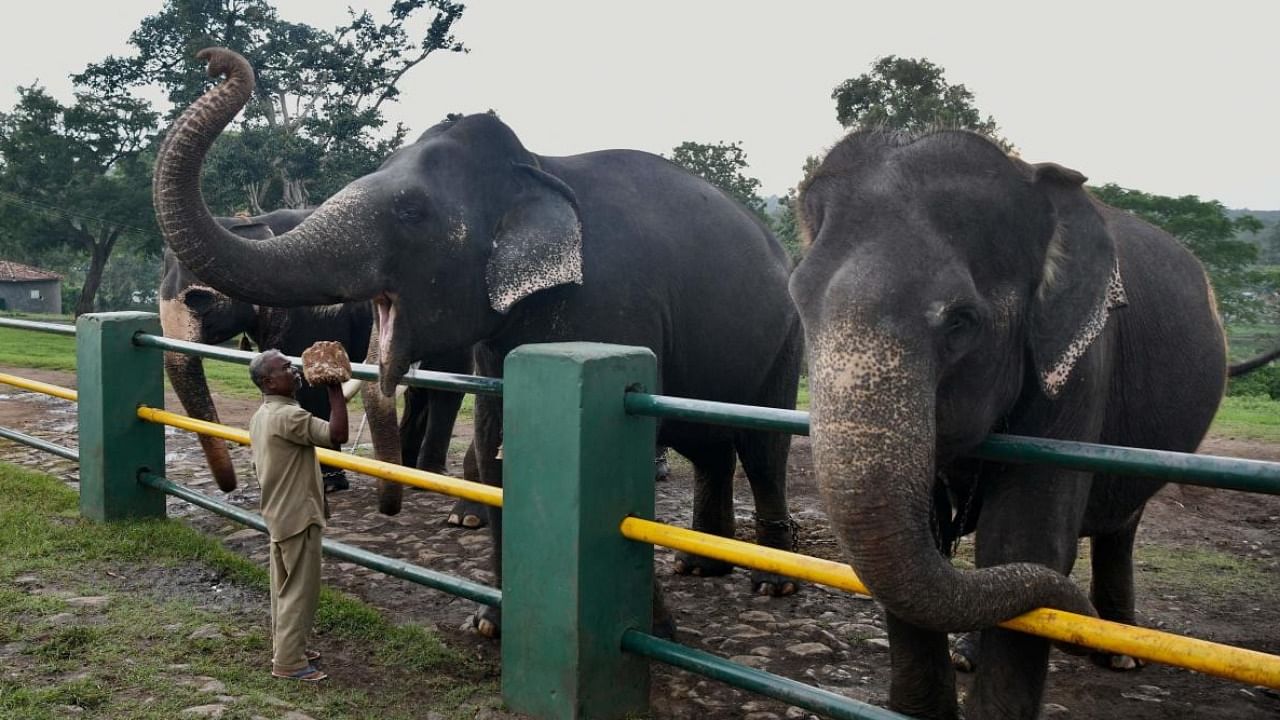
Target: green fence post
{"type": "Point", "coordinates": [113, 377]}
{"type": "Point", "coordinates": [575, 465]}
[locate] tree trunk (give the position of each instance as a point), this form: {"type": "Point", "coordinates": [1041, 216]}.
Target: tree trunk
{"type": "Point", "coordinates": [99, 252]}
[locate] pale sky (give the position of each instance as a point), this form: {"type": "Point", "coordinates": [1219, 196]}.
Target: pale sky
{"type": "Point", "coordinates": [1169, 98]}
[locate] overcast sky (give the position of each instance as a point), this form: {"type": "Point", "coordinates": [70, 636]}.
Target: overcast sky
{"type": "Point", "coordinates": [1168, 98]}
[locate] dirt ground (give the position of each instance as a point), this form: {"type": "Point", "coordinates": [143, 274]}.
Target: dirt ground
{"type": "Point", "coordinates": [1208, 564]}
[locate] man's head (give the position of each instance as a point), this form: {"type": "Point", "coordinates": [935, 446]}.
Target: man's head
{"type": "Point", "coordinates": [272, 372]}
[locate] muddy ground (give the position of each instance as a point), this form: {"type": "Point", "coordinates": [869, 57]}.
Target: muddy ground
{"type": "Point", "coordinates": [1208, 567]}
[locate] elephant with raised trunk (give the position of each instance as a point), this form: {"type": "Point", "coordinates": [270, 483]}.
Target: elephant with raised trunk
{"type": "Point", "coordinates": [949, 292]}
{"type": "Point", "coordinates": [465, 238]}
{"type": "Point", "coordinates": [192, 310]}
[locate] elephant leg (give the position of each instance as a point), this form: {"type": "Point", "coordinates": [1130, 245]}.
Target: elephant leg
{"type": "Point", "coordinates": [413, 425]}
{"type": "Point", "coordinates": [487, 440]}
{"type": "Point", "coordinates": [712, 504]}
{"type": "Point", "coordinates": [661, 469]}
{"type": "Point", "coordinates": [469, 514]}
{"type": "Point", "coordinates": [922, 681]}
{"type": "Point", "coordinates": [1023, 519]}
{"type": "Point", "coordinates": [764, 460]}
{"type": "Point", "coordinates": [1112, 589]}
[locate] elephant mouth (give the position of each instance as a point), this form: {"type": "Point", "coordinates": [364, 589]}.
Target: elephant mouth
{"type": "Point", "coordinates": [391, 367]}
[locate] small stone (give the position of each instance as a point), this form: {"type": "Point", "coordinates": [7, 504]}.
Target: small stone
{"type": "Point", "coordinates": [1053, 710]}
{"type": "Point", "coordinates": [760, 716]}
{"type": "Point", "coordinates": [755, 616]}
{"type": "Point", "coordinates": [242, 535]}
{"type": "Point", "coordinates": [1153, 690]}
{"type": "Point", "coordinates": [295, 715]}
{"type": "Point", "coordinates": [744, 631]}
{"type": "Point", "coordinates": [90, 602]}
{"type": "Point", "coordinates": [205, 711]}
{"type": "Point", "coordinates": [206, 632]}
{"type": "Point", "coordinates": [751, 661]}
{"type": "Point", "coordinates": [859, 631]}
{"type": "Point", "coordinates": [809, 649]}
{"type": "Point", "coordinates": [212, 686]}
{"type": "Point", "coordinates": [62, 619]}
{"type": "Point", "coordinates": [33, 580]}
{"type": "Point", "coordinates": [798, 713]}
{"type": "Point", "coordinates": [881, 643]}
{"type": "Point", "coordinates": [1140, 697]}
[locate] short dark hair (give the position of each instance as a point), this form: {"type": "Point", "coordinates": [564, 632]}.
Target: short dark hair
{"type": "Point", "coordinates": [258, 367]}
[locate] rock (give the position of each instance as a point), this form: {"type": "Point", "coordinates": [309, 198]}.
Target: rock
{"type": "Point", "coordinates": [859, 631]}
{"type": "Point", "coordinates": [205, 711]}
{"type": "Point", "coordinates": [881, 643]}
{"type": "Point", "coordinates": [744, 631]}
{"type": "Point", "coordinates": [212, 685]}
{"type": "Point", "coordinates": [90, 602]}
{"type": "Point", "coordinates": [242, 535]}
{"type": "Point", "coordinates": [1053, 710]}
{"type": "Point", "coordinates": [1153, 690]}
{"type": "Point", "coordinates": [62, 619]}
{"type": "Point", "coordinates": [206, 632]}
{"type": "Point", "coordinates": [799, 713]}
{"type": "Point", "coordinates": [31, 580]}
{"type": "Point", "coordinates": [1140, 697]}
{"type": "Point", "coordinates": [751, 661]}
{"type": "Point", "coordinates": [295, 715]}
{"type": "Point", "coordinates": [756, 616]}
{"type": "Point", "coordinates": [761, 716]}
{"type": "Point", "coordinates": [69, 709]}
{"type": "Point", "coordinates": [809, 649]}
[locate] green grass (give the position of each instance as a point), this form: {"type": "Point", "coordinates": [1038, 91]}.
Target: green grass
{"type": "Point", "coordinates": [119, 662]}
{"type": "Point", "coordinates": [1249, 417]}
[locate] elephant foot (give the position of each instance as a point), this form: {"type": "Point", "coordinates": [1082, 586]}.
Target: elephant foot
{"type": "Point", "coordinates": [661, 469]}
{"type": "Point", "coordinates": [698, 566]}
{"type": "Point", "coordinates": [772, 584]}
{"type": "Point", "coordinates": [335, 480]}
{"type": "Point", "coordinates": [468, 514]}
{"type": "Point", "coordinates": [487, 622]}
{"type": "Point", "coordinates": [1117, 663]}
{"type": "Point", "coordinates": [964, 654]}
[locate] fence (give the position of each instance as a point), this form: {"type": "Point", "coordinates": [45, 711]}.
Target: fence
{"type": "Point", "coordinates": [579, 429]}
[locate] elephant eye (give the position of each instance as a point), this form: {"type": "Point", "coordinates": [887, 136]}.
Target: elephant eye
{"type": "Point", "coordinates": [411, 215]}
{"type": "Point", "coordinates": [960, 329]}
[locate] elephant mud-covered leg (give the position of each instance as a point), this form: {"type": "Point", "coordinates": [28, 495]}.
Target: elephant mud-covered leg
{"type": "Point", "coordinates": [764, 460]}
{"type": "Point", "coordinates": [487, 440]}
{"type": "Point", "coordinates": [712, 504]}
{"type": "Point", "coordinates": [1112, 587]}
{"type": "Point", "coordinates": [1026, 517]}
{"type": "Point", "coordinates": [922, 683]}
{"type": "Point", "coordinates": [465, 513]}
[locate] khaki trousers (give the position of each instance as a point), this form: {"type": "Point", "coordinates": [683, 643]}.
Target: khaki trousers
{"type": "Point", "coordinates": [295, 591]}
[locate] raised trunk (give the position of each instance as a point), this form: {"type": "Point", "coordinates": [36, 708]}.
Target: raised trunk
{"type": "Point", "coordinates": [310, 265]}
{"type": "Point", "coordinates": [873, 427]}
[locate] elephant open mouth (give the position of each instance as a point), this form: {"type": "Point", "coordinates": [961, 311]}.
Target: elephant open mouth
{"type": "Point", "coordinates": [391, 366]}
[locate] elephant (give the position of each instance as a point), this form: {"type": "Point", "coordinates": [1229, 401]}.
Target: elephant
{"type": "Point", "coordinates": [464, 238]}
{"type": "Point", "coordinates": [950, 291]}
{"type": "Point", "coordinates": [191, 310]}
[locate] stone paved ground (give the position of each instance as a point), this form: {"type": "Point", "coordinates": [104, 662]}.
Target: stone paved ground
{"type": "Point", "coordinates": [823, 637]}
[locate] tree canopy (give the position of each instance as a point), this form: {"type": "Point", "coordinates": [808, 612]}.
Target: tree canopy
{"type": "Point", "coordinates": [723, 165]}
{"type": "Point", "coordinates": [910, 94]}
{"type": "Point", "coordinates": [1208, 231]}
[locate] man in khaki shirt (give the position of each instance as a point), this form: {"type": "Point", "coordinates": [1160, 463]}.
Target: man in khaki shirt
{"type": "Point", "coordinates": [284, 439]}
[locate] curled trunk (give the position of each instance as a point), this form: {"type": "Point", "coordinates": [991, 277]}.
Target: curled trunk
{"type": "Point", "coordinates": [874, 442]}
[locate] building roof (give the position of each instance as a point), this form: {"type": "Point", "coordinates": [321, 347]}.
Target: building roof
{"type": "Point", "coordinates": [17, 272]}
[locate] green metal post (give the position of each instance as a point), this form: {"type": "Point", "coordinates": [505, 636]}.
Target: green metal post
{"type": "Point", "coordinates": [113, 377]}
{"type": "Point", "coordinates": [575, 464]}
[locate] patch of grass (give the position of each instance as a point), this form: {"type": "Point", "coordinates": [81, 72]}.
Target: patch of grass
{"type": "Point", "coordinates": [1252, 417]}
{"type": "Point", "coordinates": [134, 660]}
{"type": "Point", "coordinates": [1213, 573]}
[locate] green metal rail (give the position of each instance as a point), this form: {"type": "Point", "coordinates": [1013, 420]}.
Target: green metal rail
{"type": "Point", "coordinates": [364, 371]}
{"type": "Point", "coordinates": [406, 571]}
{"type": "Point", "coordinates": [45, 327]}
{"type": "Point", "coordinates": [39, 444]}
{"type": "Point", "coordinates": [1207, 470]}
{"type": "Point", "coordinates": [790, 691]}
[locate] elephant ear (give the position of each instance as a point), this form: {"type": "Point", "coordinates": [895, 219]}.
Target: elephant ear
{"type": "Point", "coordinates": [538, 242]}
{"type": "Point", "coordinates": [1080, 284]}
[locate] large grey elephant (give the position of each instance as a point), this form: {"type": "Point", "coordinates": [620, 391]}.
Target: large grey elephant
{"type": "Point", "coordinates": [465, 238]}
{"type": "Point", "coordinates": [191, 310]}
{"type": "Point", "coordinates": [950, 292]}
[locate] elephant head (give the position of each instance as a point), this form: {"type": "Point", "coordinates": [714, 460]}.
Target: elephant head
{"type": "Point", "coordinates": [445, 237]}
{"type": "Point", "coordinates": [191, 310]}
{"type": "Point", "coordinates": [946, 286]}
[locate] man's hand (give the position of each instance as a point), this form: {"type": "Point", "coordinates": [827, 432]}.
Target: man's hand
{"type": "Point", "coordinates": [326, 363]}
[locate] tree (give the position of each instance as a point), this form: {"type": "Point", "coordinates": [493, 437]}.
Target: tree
{"type": "Point", "coordinates": [1207, 230]}
{"type": "Point", "coordinates": [75, 176]}
{"type": "Point", "coordinates": [785, 224]}
{"type": "Point", "coordinates": [316, 121]}
{"type": "Point", "coordinates": [723, 165]}
{"type": "Point", "coordinates": [910, 94]}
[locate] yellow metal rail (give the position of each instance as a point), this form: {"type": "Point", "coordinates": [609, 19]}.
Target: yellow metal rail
{"type": "Point", "coordinates": [1224, 661]}
{"type": "Point", "coordinates": [37, 386]}
{"type": "Point", "coordinates": [1247, 666]}
{"type": "Point", "coordinates": [397, 473]}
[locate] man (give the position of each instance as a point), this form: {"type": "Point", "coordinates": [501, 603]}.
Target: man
{"type": "Point", "coordinates": [284, 439]}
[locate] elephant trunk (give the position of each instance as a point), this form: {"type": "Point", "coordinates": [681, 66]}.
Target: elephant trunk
{"type": "Point", "coordinates": [310, 265]}
{"type": "Point", "coordinates": [874, 432]}
{"type": "Point", "coordinates": [380, 413]}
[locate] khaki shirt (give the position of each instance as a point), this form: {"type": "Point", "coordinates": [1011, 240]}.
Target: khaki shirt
{"type": "Point", "coordinates": [283, 437]}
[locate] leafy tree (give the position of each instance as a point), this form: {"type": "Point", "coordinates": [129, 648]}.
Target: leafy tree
{"type": "Point", "coordinates": [1206, 229]}
{"type": "Point", "coordinates": [315, 121]}
{"type": "Point", "coordinates": [784, 222]}
{"type": "Point", "coordinates": [723, 165]}
{"type": "Point", "coordinates": [910, 94]}
{"type": "Point", "coordinates": [75, 176]}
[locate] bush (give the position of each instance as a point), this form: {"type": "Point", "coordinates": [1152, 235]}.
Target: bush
{"type": "Point", "coordinates": [1263, 382]}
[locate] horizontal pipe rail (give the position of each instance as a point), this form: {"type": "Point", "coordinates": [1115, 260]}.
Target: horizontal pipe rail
{"type": "Point", "coordinates": [36, 386]}
{"type": "Point", "coordinates": [45, 327]}
{"type": "Point", "coordinates": [1232, 663]}
{"type": "Point", "coordinates": [485, 494]}
{"type": "Point", "coordinates": [364, 371]}
{"type": "Point", "coordinates": [448, 583]}
{"type": "Point", "coordinates": [39, 444]}
{"type": "Point", "coordinates": [828, 704]}
{"type": "Point", "coordinates": [1186, 468]}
